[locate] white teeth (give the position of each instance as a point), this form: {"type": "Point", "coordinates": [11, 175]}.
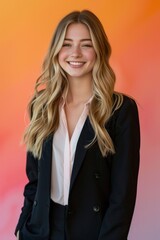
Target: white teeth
{"type": "Point", "coordinates": [76, 63]}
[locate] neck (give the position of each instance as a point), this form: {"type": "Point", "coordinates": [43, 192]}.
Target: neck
{"type": "Point", "coordinates": [79, 90]}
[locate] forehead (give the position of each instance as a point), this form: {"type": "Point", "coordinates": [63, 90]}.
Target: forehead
{"type": "Point", "coordinates": [77, 31]}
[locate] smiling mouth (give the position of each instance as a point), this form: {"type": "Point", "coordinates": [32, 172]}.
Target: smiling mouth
{"type": "Point", "coordinates": [76, 64]}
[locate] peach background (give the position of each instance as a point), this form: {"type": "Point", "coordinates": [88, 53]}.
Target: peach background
{"type": "Point", "coordinates": [133, 29]}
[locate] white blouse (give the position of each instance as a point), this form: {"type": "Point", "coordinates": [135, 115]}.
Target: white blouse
{"type": "Point", "coordinates": [63, 153]}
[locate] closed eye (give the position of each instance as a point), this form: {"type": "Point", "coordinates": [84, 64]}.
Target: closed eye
{"type": "Point", "coordinates": [87, 45]}
{"type": "Point", "coordinates": [66, 45]}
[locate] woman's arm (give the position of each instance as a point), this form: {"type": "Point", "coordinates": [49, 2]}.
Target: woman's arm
{"type": "Point", "coordinates": [29, 190]}
{"type": "Point", "coordinates": [124, 173]}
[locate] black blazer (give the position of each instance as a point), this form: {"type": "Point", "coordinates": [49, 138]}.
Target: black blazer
{"type": "Point", "coordinates": [102, 189]}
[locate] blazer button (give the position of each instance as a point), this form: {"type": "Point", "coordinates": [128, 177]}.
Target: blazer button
{"type": "Point", "coordinates": [69, 211]}
{"type": "Point", "coordinates": [35, 203]}
{"type": "Point", "coordinates": [97, 176]}
{"type": "Point", "coordinates": [96, 208]}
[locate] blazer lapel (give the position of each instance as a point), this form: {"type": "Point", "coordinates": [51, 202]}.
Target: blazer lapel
{"type": "Point", "coordinates": [46, 162]}
{"type": "Point", "coordinates": [85, 138]}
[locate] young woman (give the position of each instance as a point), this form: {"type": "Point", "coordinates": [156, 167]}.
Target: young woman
{"type": "Point", "coordinates": [82, 142]}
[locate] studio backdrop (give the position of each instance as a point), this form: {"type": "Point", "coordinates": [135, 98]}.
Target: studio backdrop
{"type": "Point", "coordinates": [133, 29]}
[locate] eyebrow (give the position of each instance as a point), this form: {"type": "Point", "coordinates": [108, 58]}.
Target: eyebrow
{"type": "Point", "coordinates": [82, 40]}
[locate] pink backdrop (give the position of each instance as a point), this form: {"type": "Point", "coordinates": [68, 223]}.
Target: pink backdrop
{"type": "Point", "coordinates": [133, 28]}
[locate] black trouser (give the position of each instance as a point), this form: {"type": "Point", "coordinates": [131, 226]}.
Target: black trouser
{"type": "Point", "coordinates": [57, 221]}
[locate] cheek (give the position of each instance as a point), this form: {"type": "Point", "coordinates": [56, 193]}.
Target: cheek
{"type": "Point", "coordinates": [92, 56]}
{"type": "Point", "coordinates": [95, 57]}
{"type": "Point", "coordinates": [60, 57]}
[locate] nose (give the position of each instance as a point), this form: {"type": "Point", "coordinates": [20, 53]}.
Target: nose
{"type": "Point", "coordinates": [76, 51]}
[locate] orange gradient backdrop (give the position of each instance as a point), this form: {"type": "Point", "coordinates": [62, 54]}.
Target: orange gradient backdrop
{"type": "Point", "coordinates": [133, 28]}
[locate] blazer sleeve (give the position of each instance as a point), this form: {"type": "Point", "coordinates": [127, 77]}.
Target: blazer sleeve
{"type": "Point", "coordinates": [124, 173]}
{"type": "Point", "coordinates": [29, 190]}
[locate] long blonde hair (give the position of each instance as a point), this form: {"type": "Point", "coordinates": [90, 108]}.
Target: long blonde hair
{"type": "Point", "coordinates": [44, 106]}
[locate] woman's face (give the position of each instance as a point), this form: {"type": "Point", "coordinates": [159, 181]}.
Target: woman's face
{"type": "Point", "coordinates": [77, 55]}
